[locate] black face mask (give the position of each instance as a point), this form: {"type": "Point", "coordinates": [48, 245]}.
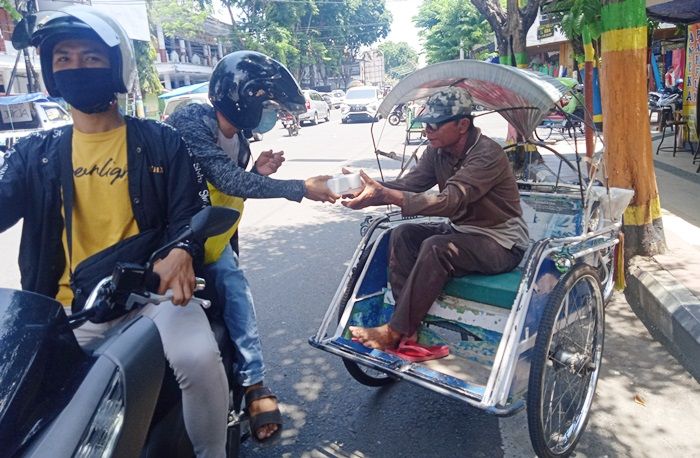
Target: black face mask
{"type": "Point", "coordinates": [89, 90]}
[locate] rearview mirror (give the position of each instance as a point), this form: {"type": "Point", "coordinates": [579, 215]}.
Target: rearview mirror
{"type": "Point", "coordinates": [207, 222]}
{"type": "Point", "coordinates": [211, 221]}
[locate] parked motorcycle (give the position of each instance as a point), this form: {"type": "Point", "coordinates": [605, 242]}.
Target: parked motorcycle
{"type": "Point", "coordinates": [117, 398]}
{"type": "Point", "coordinates": [290, 122]}
{"type": "Point", "coordinates": [397, 115]}
{"type": "Point", "coordinates": [671, 98]}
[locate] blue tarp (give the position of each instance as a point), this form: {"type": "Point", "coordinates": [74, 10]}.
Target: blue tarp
{"type": "Point", "coordinates": [674, 11]}
{"type": "Point", "coordinates": [23, 98]}
{"type": "Point", "coordinates": [191, 89]}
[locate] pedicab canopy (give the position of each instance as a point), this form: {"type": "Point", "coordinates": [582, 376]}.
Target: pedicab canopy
{"type": "Point", "coordinates": [522, 97]}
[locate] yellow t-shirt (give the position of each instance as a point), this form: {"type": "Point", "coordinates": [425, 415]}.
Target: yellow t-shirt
{"type": "Point", "coordinates": [214, 246]}
{"type": "Point", "coordinates": [102, 214]}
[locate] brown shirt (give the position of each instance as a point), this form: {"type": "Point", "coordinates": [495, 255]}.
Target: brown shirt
{"type": "Point", "coordinates": [477, 189]}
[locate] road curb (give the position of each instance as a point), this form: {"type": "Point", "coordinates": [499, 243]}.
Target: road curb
{"type": "Point", "coordinates": [668, 309]}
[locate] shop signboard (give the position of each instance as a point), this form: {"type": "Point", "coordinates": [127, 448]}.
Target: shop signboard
{"type": "Point", "coordinates": [692, 76]}
{"type": "Point", "coordinates": [545, 31]}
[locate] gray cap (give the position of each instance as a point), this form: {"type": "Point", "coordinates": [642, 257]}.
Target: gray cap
{"type": "Point", "coordinates": [447, 104]}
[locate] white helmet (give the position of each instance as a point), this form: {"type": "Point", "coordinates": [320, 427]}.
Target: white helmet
{"type": "Point", "coordinates": [80, 21]}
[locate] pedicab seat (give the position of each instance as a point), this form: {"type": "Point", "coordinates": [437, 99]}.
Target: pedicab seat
{"type": "Point", "coordinates": [498, 290]}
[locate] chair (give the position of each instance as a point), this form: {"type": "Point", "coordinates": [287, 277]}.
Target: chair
{"type": "Point", "coordinates": [679, 126]}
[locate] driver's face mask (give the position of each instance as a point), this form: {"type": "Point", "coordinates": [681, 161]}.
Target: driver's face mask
{"type": "Point", "coordinates": [267, 120]}
{"type": "Point", "coordinates": [87, 89]}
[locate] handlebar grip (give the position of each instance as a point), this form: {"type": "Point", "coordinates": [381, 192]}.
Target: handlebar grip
{"type": "Point", "coordinates": [152, 282]}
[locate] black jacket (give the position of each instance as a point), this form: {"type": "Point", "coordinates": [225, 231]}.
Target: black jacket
{"type": "Point", "coordinates": [165, 185]}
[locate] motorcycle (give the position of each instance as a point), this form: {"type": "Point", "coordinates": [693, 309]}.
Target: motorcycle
{"type": "Point", "coordinates": [116, 398]}
{"type": "Point", "coordinates": [290, 122]}
{"type": "Point", "coordinates": [669, 98]}
{"type": "Point", "coordinates": [397, 115]}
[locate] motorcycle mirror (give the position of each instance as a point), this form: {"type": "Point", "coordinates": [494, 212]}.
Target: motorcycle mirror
{"type": "Point", "coordinates": [22, 35]}
{"type": "Point", "coordinates": [207, 222]}
{"type": "Point", "coordinates": [211, 221]}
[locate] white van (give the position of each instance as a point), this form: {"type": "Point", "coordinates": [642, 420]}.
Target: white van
{"type": "Point", "coordinates": [361, 104]}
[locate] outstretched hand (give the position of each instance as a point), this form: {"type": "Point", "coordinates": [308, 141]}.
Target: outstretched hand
{"type": "Point", "coordinates": [268, 162]}
{"type": "Point", "coordinates": [317, 189]}
{"type": "Point", "coordinates": [373, 194]}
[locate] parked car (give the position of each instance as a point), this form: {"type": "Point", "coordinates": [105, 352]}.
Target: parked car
{"type": "Point", "coordinates": [328, 98]}
{"type": "Point", "coordinates": [174, 103]}
{"type": "Point", "coordinates": [361, 103]}
{"type": "Point", "coordinates": [316, 108]}
{"type": "Point", "coordinates": [25, 114]}
{"type": "Point", "coordinates": [337, 98]}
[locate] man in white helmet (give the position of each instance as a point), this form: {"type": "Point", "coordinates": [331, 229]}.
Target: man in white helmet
{"type": "Point", "coordinates": [87, 188]}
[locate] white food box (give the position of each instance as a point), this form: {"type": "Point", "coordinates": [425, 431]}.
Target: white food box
{"type": "Point", "coordinates": [345, 183]}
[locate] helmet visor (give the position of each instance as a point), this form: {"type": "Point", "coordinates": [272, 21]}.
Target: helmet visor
{"type": "Point", "coordinates": [103, 30]}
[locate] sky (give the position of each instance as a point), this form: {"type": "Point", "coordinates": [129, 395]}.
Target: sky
{"type": "Point", "coordinates": [402, 27]}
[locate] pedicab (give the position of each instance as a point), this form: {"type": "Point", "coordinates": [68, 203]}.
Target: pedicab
{"type": "Point", "coordinates": [530, 338]}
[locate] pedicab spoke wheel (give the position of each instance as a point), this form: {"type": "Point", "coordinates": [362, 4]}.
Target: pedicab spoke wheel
{"type": "Point", "coordinates": [367, 375]}
{"type": "Point", "coordinates": [543, 132]}
{"type": "Point", "coordinates": [566, 363]}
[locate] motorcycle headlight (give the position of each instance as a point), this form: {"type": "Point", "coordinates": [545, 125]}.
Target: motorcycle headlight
{"type": "Point", "coordinates": [101, 435]}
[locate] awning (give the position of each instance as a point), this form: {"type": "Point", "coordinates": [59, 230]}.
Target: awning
{"type": "Point", "coordinates": [191, 89]}
{"type": "Point", "coordinates": [23, 98]}
{"type": "Point", "coordinates": [522, 97]}
{"type": "Point", "coordinates": [674, 11]}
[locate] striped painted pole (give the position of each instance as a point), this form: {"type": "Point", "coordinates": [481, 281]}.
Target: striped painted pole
{"type": "Point", "coordinates": [589, 59]}
{"type": "Point", "coordinates": [628, 152]}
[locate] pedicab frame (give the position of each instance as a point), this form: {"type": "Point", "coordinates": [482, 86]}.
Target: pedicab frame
{"type": "Point", "coordinates": [566, 274]}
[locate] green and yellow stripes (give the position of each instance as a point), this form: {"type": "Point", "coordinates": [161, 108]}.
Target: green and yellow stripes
{"type": "Point", "coordinates": [628, 154]}
{"type": "Point", "coordinates": [624, 25]}
{"type": "Point", "coordinates": [639, 215]}
{"type": "Point", "coordinates": [588, 50]}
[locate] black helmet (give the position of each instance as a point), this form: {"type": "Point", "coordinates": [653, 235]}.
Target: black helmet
{"type": "Point", "coordinates": [244, 80]}
{"type": "Point", "coordinates": [80, 21]}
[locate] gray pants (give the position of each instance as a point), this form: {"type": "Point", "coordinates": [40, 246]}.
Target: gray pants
{"type": "Point", "coordinates": [193, 355]}
{"type": "Point", "coordinates": [422, 259]}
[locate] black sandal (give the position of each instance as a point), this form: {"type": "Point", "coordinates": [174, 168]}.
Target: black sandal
{"type": "Point", "coordinates": [273, 417]}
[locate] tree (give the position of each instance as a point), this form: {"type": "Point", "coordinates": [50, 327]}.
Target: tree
{"type": "Point", "coordinates": [510, 26]}
{"type": "Point", "coordinates": [182, 18]}
{"type": "Point", "coordinates": [448, 25]}
{"type": "Point", "coordinates": [145, 54]}
{"type": "Point", "coordinates": [399, 58]}
{"type": "Point", "coordinates": [628, 153]}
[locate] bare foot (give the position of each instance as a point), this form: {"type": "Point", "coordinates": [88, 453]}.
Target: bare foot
{"type": "Point", "coordinates": [381, 337]}
{"type": "Point", "coordinates": [259, 406]}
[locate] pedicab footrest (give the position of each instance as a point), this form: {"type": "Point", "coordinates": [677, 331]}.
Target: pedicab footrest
{"type": "Point", "coordinates": [497, 290]}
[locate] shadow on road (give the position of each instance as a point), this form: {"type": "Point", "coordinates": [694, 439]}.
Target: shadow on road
{"type": "Point", "coordinates": [294, 272]}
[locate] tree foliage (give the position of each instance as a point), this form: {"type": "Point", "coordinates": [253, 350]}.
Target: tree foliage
{"type": "Point", "coordinates": [399, 58]}
{"type": "Point", "coordinates": [182, 18]}
{"type": "Point", "coordinates": [447, 25]}
{"type": "Point", "coordinates": [145, 54]}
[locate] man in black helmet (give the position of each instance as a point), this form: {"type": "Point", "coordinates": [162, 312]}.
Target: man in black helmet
{"type": "Point", "coordinates": [246, 89]}
{"type": "Point", "coordinates": [116, 184]}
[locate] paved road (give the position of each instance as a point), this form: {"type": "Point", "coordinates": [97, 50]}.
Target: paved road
{"type": "Point", "coordinates": [295, 255]}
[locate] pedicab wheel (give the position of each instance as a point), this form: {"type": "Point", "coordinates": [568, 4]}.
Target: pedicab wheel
{"type": "Point", "coordinates": [543, 133]}
{"type": "Point", "coordinates": [566, 363]}
{"type": "Point", "coordinates": [363, 374]}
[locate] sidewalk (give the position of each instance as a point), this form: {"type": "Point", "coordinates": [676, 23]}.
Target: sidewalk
{"type": "Point", "coordinates": [664, 290]}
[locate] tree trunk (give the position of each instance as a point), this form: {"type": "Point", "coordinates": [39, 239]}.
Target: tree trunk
{"type": "Point", "coordinates": [628, 154]}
